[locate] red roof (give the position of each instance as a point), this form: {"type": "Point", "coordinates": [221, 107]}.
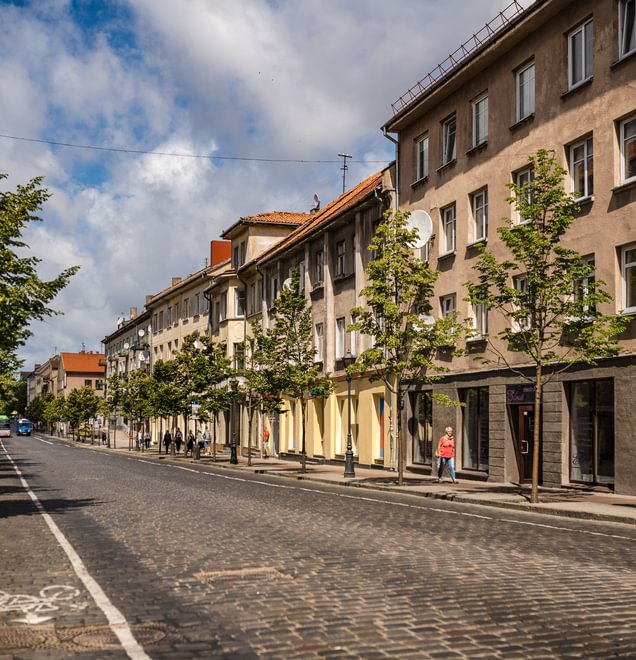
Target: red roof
{"type": "Point", "coordinates": [87, 363]}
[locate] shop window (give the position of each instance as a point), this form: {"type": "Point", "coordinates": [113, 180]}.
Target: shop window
{"type": "Point", "coordinates": [475, 428]}
{"type": "Point", "coordinates": [421, 427]}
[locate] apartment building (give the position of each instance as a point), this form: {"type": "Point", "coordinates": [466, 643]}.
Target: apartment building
{"type": "Point", "coordinates": [236, 294]}
{"type": "Point", "coordinates": [559, 76]}
{"type": "Point", "coordinates": [83, 369]}
{"type": "Point", "coordinates": [43, 379]}
{"type": "Point", "coordinates": [330, 251]}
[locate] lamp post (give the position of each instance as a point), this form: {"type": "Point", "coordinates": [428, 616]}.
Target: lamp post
{"type": "Point", "coordinates": [347, 361]}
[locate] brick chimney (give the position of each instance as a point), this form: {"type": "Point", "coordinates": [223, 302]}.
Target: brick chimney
{"type": "Point", "coordinates": [220, 251]}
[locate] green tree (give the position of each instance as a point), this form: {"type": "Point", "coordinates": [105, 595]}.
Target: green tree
{"type": "Point", "coordinates": [82, 404]}
{"type": "Point", "coordinates": [136, 398]}
{"type": "Point", "coordinates": [546, 292]}
{"type": "Point", "coordinates": [287, 353]}
{"type": "Point", "coordinates": [36, 408]}
{"type": "Point", "coordinates": [166, 393]}
{"type": "Point", "coordinates": [55, 410]}
{"type": "Point", "coordinates": [397, 315]}
{"type": "Point", "coordinates": [24, 296]}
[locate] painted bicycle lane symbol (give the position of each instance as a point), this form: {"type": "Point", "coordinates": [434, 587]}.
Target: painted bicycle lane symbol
{"type": "Point", "coordinates": [36, 609]}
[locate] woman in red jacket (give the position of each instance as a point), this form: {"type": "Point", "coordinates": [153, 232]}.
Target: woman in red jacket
{"type": "Point", "coordinates": [446, 454]}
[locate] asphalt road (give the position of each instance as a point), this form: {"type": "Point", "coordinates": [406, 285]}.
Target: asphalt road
{"type": "Point", "coordinates": [110, 555]}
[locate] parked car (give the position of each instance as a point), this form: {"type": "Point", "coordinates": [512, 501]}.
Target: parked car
{"type": "Point", "coordinates": [24, 427]}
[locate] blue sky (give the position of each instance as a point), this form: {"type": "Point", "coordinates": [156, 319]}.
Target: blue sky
{"type": "Point", "coordinates": [243, 82]}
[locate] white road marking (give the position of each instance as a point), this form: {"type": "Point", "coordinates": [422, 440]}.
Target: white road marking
{"type": "Point", "coordinates": [115, 618]}
{"type": "Point", "coordinates": [567, 529]}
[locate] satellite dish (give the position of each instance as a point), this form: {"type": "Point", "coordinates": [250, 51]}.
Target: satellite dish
{"type": "Point", "coordinates": [287, 283]}
{"type": "Point", "coordinates": [421, 221]}
{"type": "Point", "coordinates": [126, 345]}
{"type": "Point", "coordinates": [316, 206]}
{"type": "Point", "coordinates": [141, 332]}
{"type": "Point", "coordinates": [142, 357]}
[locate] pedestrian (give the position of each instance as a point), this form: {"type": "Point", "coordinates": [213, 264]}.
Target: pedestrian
{"type": "Point", "coordinates": [446, 454]}
{"type": "Point", "coordinates": [147, 439]}
{"type": "Point", "coordinates": [206, 440]}
{"type": "Point", "coordinates": [178, 439]}
{"type": "Point", "coordinates": [138, 441]}
{"type": "Point", "coordinates": [265, 443]}
{"type": "Point", "coordinates": [167, 439]}
{"type": "Point", "coordinates": [190, 445]}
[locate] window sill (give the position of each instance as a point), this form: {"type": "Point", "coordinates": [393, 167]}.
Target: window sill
{"type": "Point", "coordinates": [445, 166]}
{"type": "Point", "coordinates": [477, 148]}
{"type": "Point", "coordinates": [447, 255]}
{"type": "Point", "coordinates": [627, 185]}
{"type": "Point", "coordinates": [522, 122]}
{"type": "Point", "coordinates": [318, 286]}
{"type": "Point", "coordinates": [419, 182]}
{"type": "Point", "coordinates": [476, 244]}
{"type": "Point", "coordinates": [622, 59]}
{"type": "Point", "coordinates": [630, 311]}
{"type": "Point", "coordinates": [584, 83]}
{"type": "Point", "coordinates": [342, 278]}
{"type": "Point", "coordinates": [588, 200]}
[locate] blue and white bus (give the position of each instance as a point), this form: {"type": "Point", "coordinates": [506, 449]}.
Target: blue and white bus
{"type": "Point", "coordinates": [24, 427]}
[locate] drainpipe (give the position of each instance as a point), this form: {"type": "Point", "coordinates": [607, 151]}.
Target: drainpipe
{"type": "Point", "coordinates": [397, 167]}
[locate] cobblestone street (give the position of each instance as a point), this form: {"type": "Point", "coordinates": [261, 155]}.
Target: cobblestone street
{"type": "Point", "coordinates": [204, 562]}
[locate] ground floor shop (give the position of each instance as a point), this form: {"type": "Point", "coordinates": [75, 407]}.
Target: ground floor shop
{"type": "Point", "coordinates": [587, 426]}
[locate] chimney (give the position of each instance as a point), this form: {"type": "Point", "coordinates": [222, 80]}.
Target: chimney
{"type": "Point", "coordinates": [175, 280]}
{"type": "Point", "coordinates": [133, 312]}
{"type": "Point", "coordinates": [149, 297]}
{"type": "Point", "coordinates": [219, 251]}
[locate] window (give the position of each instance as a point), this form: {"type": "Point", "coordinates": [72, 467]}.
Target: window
{"type": "Point", "coordinates": [628, 273]}
{"type": "Point", "coordinates": [421, 427]}
{"type": "Point", "coordinates": [239, 355]}
{"type": "Point", "coordinates": [301, 276]}
{"type": "Point", "coordinates": [252, 298]}
{"type": "Point", "coordinates": [239, 301]}
{"type": "Point", "coordinates": [340, 338]}
{"type": "Point", "coordinates": [479, 208]}
{"type": "Point", "coordinates": [447, 305]}
{"type": "Point", "coordinates": [176, 312]}
{"type": "Point", "coordinates": [155, 323]}
{"type": "Point", "coordinates": [525, 91]}
{"type": "Point", "coordinates": [223, 307]}
{"type": "Point", "coordinates": [582, 168]}
{"type": "Point", "coordinates": [88, 382]}
{"type": "Point", "coordinates": [627, 25]}
{"type": "Point", "coordinates": [319, 268]}
{"type": "Point", "coordinates": [273, 290]}
{"type": "Point", "coordinates": [319, 338]}
{"type": "Point", "coordinates": [242, 253]}
{"type": "Point", "coordinates": [421, 157]}
{"type": "Point", "coordinates": [340, 258]}
{"type": "Point", "coordinates": [449, 229]}
{"type": "Point", "coordinates": [479, 320]}
{"type": "Point", "coordinates": [522, 319]}
{"type": "Point", "coordinates": [592, 431]}
{"type": "Point", "coordinates": [197, 304]}
{"type": "Point", "coordinates": [449, 146]}
{"type": "Point", "coordinates": [206, 303]}
{"type": "Point", "coordinates": [161, 320]}
{"type": "Point", "coordinates": [523, 180]}
{"type": "Point", "coordinates": [583, 287]}
{"type": "Point", "coordinates": [169, 316]}
{"type": "Point", "coordinates": [628, 149]}
{"type": "Point", "coordinates": [99, 384]}
{"type": "Point", "coordinates": [475, 427]}
{"type": "Point", "coordinates": [580, 49]}
{"type": "Point", "coordinates": [480, 120]}
{"type": "Point", "coordinates": [235, 256]}
{"type": "Point", "coordinates": [186, 307]}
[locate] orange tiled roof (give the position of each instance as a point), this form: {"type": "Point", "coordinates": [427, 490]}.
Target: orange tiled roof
{"type": "Point", "coordinates": [277, 217]}
{"type": "Point", "coordinates": [82, 362]}
{"type": "Point", "coordinates": [346, 201]}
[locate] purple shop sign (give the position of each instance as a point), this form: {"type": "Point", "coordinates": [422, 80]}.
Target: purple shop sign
{"type": "Point", "coordinates": [518, 394]}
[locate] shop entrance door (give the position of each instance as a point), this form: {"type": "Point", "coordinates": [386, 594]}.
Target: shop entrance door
{"type": "Point", "coordinates": [525, 438]}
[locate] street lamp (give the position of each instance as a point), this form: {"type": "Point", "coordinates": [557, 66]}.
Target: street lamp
{"type": "Point", "coordinates": [347, 361]}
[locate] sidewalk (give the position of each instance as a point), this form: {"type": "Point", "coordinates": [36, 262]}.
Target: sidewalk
{"type": "Point", "coordinates": [573, 502]}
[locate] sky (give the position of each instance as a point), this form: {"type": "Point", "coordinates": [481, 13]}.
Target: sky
{"type": "Point", "coordinates": [186, 115]}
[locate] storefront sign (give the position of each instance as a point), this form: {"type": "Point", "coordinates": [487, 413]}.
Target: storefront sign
{"type": "Point", "coordinates": [519, 394]}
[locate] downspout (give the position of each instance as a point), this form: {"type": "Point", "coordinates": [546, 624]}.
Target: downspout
{"type": "Point", "coordinates": [392, 405]}
{"type": "Point", "coordinates": [249, 414]}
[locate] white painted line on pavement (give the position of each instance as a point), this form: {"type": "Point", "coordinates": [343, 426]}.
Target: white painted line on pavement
{"type": "Point", "coordinates": [116, 619]}
{"type": "Point", "coordinates": [567, 529]}
{"type": "Point", "coordinates": [48, 442]}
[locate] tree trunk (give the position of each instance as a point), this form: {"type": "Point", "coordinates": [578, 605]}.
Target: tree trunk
{"type": "Point", "coordinates": [303, 453]}
{"type": "Point", "coordinates": [250, 422]}
{"type": "Point", "coordinates": [398, 429]}
{"type": "Point", "coordinates": [536, 434]}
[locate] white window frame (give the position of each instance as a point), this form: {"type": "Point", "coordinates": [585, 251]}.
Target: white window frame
{"type": "Point", "coordinates": [479, 320]}
{"type": "Point", "coordinates": [223, 306]}
{"type": "Point", "coordinates": [521, 178]}
{"type": "Point", "coordinates": [319, 342]}
{"type": "Point", "coordinates": [449, 140]}
{"type": "Point", "coordinates": [520, 283]}
{"type": "Point", "coordinates": [628, 288]}
{"type": "Point", "coordinates": [580, 54]}
{"type": "Point", "coordinates": [421, 157]}
{"type": "Point", "coordinates": [525, 91]}
{"type": "Point", "coordinates": [341, 252]}
{"type": "Point", "coordinates": [197, 304]}
{"type": "Point", "coordinates": [627, 141]}
{"type": "Point", "coordinates": [240, 295]}
{"type": "Point", "coordinates": [582, 286]}
{"type": "Point", "coordinates": [480, 120]}
{"type": "Point", "coordinates": [627, 27]}
{"type": "Point", "coordinates": [319, 268]}
{"type": "Point", "coordinates": [479, 211]}
{"type": "Point", "coordinates": [447, 305]}
{"type": "Point", "coordinates": [449, 228]}
{"type": "Point", "coordinates": [584, 160]}
{"type": "Point", "coordinates": [340, 338]}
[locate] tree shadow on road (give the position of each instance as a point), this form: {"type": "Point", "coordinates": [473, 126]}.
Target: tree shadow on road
{"type": "Point", "coordinates": [10, 508]}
